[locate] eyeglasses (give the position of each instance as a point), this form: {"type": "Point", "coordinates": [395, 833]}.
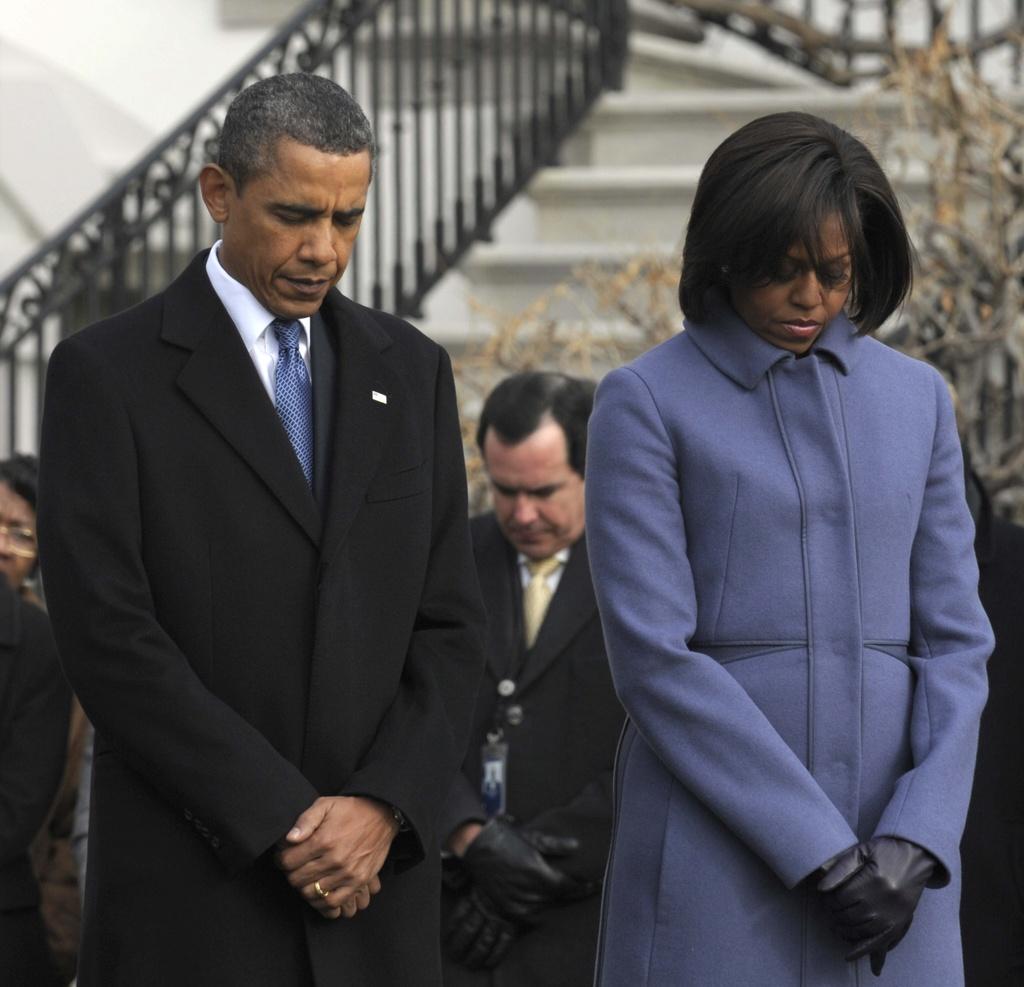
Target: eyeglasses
{"type": "Point", "coordinates": [21, 541]}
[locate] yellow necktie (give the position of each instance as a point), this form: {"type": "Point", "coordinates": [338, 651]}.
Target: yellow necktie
{"type": "Point", "coordinates": [537, 596]}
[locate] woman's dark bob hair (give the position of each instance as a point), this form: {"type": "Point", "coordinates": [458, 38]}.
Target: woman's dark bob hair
{"type": "Point", "coordinates": [773, 184]}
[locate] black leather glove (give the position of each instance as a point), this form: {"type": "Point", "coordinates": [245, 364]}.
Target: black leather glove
{"type": "Point", "coordinates": [476, 935]}
{"type": "Point", "coordinates": [871, 891]}
{"type": "Point", "coordinates": [509, 866]}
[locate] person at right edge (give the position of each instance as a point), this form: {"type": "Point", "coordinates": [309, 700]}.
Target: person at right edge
{"type": "Point", "coordinates": [992, 850]}
{"type": "Point", "coordinates": [783, 560]}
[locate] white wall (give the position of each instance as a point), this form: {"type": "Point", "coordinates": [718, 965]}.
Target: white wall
{"type": "Point", "coordinates": [87, 87]}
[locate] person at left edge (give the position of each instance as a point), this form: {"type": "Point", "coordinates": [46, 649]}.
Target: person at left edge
{"type": "Point", "coordinates": [264, 597]}
{"type": "Point", "coordinates": [34, 709]}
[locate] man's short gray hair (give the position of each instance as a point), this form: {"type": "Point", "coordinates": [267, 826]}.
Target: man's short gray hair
{"type": "Point", "coordinates": [308, 109]}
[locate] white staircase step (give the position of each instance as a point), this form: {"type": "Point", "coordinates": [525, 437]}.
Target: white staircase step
{"type": "Point", "coordinates": [659, 63]}
{"type": "Point", "coordinates": [649, 204]}
{"type": "Point", "coordinates": [679, 128]}
{"type": "Point", "coordinates": [508, 278]}
{"type": "Point", "coordinates": [656, 17]}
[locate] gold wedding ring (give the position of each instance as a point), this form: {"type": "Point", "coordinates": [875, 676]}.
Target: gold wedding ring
{"type": "Point", "coordinates": [319, 890]}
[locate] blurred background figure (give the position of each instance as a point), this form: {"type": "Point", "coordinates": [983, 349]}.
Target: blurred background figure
{"type": "Point", "coordinates": [529, 818]}
{"type": "Point", "coordinates": [34, 702]}
{"type": "Point", "coordinates": [19, 556]}
{"type": "Point", "coordinates": [992, 851]}
{"type": "Point", "coordinates": [51, 855]}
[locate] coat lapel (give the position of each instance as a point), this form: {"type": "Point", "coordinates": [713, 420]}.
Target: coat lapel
{"type": "Point", "coordinates": [571, 607]}
{"type": "Point", "coordinates": [499, 584]}
{"type": "Point", "coordinates": [362, 423]}
{"type": "Point", "coordinates": [219, 379]}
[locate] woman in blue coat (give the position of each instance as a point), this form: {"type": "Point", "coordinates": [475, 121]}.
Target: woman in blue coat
{"type": "Point", "coordinates": [783, 560]}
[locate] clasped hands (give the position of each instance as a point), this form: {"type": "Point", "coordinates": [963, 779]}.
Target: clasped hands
{"type": "Point", "coordinates": [871, 891]}
{"type": "Point", "coordinates": [508, 880]}
{"type": "Point", "coordinates": [339, 843]}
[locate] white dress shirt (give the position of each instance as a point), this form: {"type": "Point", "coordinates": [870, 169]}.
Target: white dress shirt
{"type": "Point", "coordinates": [252, 321]}
{"type": "Point", "coordinates": [553, 578]}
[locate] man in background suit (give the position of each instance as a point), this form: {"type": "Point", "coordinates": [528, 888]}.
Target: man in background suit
{"type": "Point", "coordinates": [253, 520]}
{"type": "Point", "coordinates": [529, 818]}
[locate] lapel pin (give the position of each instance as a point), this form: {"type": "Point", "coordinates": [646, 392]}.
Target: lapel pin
{"type": "Point", "coordinates": [377, 396]}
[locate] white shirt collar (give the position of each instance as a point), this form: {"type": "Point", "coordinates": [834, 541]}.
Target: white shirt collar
{"type": "Point", "coordinates": [249, 316]}
{"type": "Point", "coordinates": [562, 555]}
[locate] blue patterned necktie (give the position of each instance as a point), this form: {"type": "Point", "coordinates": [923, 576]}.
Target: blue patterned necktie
{"type": "Point", "coordinates": [293, 393]}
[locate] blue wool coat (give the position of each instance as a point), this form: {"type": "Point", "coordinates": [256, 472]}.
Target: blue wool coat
{"type": "Point", "coordinates": [783, 561]}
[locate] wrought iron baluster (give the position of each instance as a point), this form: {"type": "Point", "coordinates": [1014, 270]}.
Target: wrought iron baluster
{"type": "Point", "coordinates": [517, 92]}
{"type": "Point", "coordinates": [570, 63]}
{"type": "Point", "coordinates": [196, 212]}
{"type": "Point", "coordinates": [552, 82]}
{"type": "Point", "coordinates": [477, 44]}
{"type": "Point", "coordinates": [417, 103]}
{"type": "Point", "coordinates": [439, 135]}
{"type": "Point", "coordinates": [355, 264]}
{"type": "Point", "coordinates": [378, 285]}
{"type": "Point", "coordinates": [145, 266]}
{"type": "Point", "coordinates": [117, 248]}
{"type": "Point", "coordinates": [170, 261]}
{"type": "Point", "coordinates": [497, 43]}
{"type": "Point", "coordinates": [535, 95]}
{"type": "Point", "coordinates": [39, 359]}
{"type": "Point", "coordinates": [397, 152]}
{"type": "Point", "coordinates": [11, 360]}
{"type": "Point", "coordinates": [461, 223]}
{"type": "Point", "coordinates": [1018, 48]}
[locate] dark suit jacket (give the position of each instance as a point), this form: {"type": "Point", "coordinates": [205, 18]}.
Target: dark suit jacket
{"type": "Point", "coordinates": [34, 706]}
{"type": "Point", "coordinates": [239, 650]}
{"type": "Point", "coordinates": [561, 751]}
{"type": "Point", "coordinates": [992, 901]}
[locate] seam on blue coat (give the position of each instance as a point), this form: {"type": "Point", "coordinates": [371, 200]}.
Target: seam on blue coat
{"type": "Point", "coordinates": [728, 555]}
{"type": "Point", "coordinates": [657, 408]}
{"type": "Point", "coordinates": [854, 512]}
{"type": "Point", "coordinates": [780, 423]}
{"type": "Point", "coordinates": [621, 753]}
{"type": "Point", "coordinates": [661, 878]}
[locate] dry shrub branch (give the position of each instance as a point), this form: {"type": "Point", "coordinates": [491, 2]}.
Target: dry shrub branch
{"type": "Point", "coordinates": [966, 314]}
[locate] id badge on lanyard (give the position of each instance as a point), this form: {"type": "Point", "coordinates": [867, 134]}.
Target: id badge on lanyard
{"type": "Point", "coordinates": [493, 779]}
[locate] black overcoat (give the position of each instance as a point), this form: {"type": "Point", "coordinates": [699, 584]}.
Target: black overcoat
{"type": "Point", "coordinates": [240, 651]}
{"type": "Point", "coordinates": [562, 724]}
{"type": "Point", "coordinates": [992, 900]}
{"type": "Point", "coordinates": [34, 708]}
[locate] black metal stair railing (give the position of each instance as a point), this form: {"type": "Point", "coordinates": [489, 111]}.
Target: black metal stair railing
{"type": "Point", "coordinates": [844, 41]}
{"type": "Point", "coordinates": [469, 98]}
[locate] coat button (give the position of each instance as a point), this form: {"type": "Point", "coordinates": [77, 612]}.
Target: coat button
{"type": "Point", "coordinates": [188, 815]}
{"type": "Point", "coordinates": [215, 842]}
{"type": "Point", "coordinates": [514, 715]}
{"type": "Point", "coordinates": [506, 687]}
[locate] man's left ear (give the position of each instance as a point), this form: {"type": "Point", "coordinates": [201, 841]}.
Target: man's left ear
{"type": "Point", "coordinates": [217, 188]}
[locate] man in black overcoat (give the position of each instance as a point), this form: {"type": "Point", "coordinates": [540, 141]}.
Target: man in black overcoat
{"type": "Point", "coordinates": [253, 521]}
{"type": "Point", "coordinates": [34, 705]}
{"type": "Point", "coordinates": [992, 900]}
{"type": "Point", "coordinates": [528, 822]}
